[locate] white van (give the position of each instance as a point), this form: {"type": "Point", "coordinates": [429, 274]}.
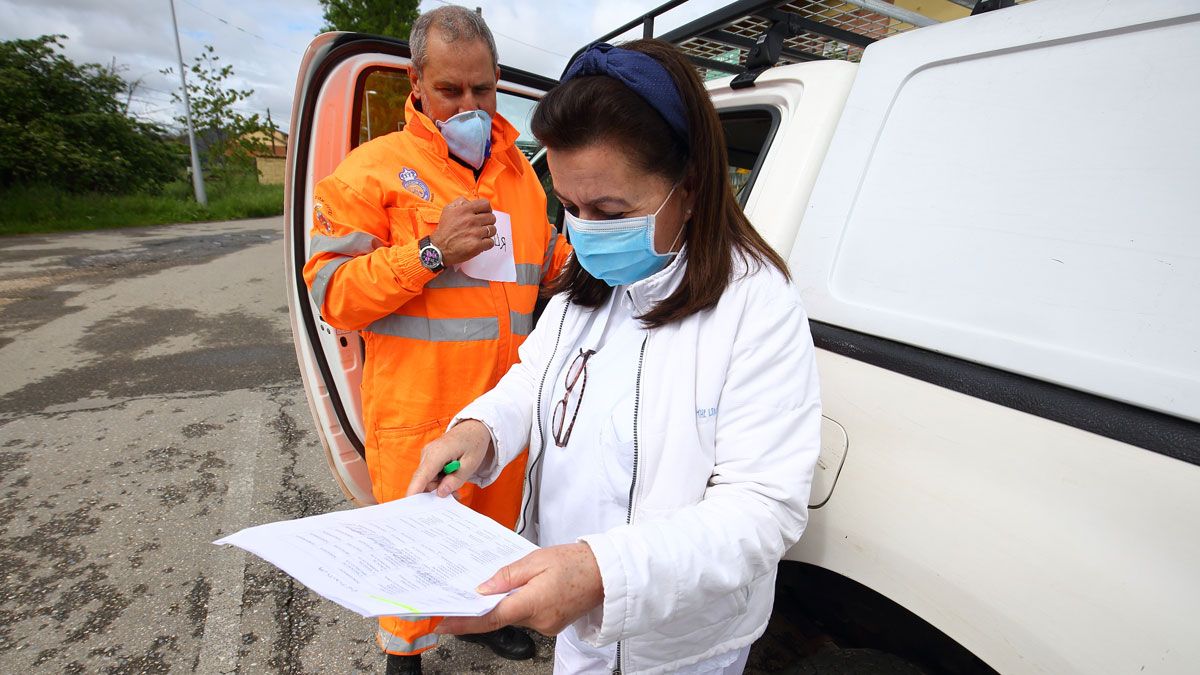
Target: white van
{"type": "Point", "coordinates": [995, 225]}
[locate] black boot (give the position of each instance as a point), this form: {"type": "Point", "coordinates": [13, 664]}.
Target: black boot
{"type": "Point", "coordinates": [403, 665]}
{"type": "Point", "coordinates": [509, 642]}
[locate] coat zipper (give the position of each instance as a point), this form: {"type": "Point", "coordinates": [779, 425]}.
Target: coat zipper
{"type": "Point", "coordinates": [528, 497]}
{"type": "Point", "coordinates": [637, 401]}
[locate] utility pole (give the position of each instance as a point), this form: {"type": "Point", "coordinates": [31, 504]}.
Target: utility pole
{"type": "Point", "coordinates": [271, 130]}
{"type": "Point", "coordinates": [197, 177]}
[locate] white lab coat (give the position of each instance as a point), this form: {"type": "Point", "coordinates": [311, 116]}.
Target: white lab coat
{"type": "Point", "coordinates": [726, 432]}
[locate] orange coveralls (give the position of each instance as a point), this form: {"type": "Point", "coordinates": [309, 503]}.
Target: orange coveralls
{"type": "Point", "coordinates": [434, 342]}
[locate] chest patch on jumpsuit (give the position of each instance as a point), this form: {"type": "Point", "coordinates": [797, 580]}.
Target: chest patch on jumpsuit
{"type": "Point", "coordinates": [412, 183]}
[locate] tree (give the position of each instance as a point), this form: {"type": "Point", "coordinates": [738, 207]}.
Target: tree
{"type": "Point", "coordinates": [228, 138]}
{"type": "Point", "coordinates": [65, 125]}
{"type": "Point", "coordinates": [393, 18]}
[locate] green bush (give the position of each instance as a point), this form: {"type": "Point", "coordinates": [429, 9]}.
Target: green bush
{"type": "Point", "coordinates": [63, 125]}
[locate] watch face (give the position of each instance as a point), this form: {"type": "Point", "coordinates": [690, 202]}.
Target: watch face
{"type": "Point", "coordinates": [430, 257]}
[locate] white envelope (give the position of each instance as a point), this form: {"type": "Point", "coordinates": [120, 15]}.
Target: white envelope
{"type": "Point", "coordinates": [496, 263]}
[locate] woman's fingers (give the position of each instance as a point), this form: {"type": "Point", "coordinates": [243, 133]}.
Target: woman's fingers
{"type": "Point", "coordinates": [512, 611]}
{"type": "Point", "coordinates": [513, 576]}
{"type": "Point", "coordinates": [433, 458]}
{"type": "Point", "coordinates": [467, 442]}
{"type": "Point", "coordinates": [448, 485]}
{"type": "Point", "coordinates": [556, 586]}
{"type": "Point", "coordinates": [425, 478]}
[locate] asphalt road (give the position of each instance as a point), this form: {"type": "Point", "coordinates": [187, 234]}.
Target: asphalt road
{"type": "Point", "coordinates": [150, 403]}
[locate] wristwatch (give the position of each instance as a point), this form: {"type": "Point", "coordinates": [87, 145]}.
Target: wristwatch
{"type": "Point", "coordinates": [431, 256]}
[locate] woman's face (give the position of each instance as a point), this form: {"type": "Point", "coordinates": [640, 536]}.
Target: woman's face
{"type": "Point", "coordinates": [598, 182]}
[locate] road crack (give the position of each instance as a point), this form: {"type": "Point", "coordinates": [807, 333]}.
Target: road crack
{"type": "Point", "coordinates": [295, 615]}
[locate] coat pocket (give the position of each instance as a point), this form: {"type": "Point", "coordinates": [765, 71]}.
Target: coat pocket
{"type": "Point", "coordinates": [616, 451]}
{"type": "Point", "coordinates": [409, 223]}
{"type": "Point", "coordinates": [427, 220]}
{"type": "Point", "coordinates": [399, 453]}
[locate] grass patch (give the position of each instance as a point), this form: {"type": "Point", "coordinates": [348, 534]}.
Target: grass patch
{"type": "Point", "coordinates": [42, 209]}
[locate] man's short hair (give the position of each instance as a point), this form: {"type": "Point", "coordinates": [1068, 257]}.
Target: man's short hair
{"type": "Point", "coordinates": [454, 24]}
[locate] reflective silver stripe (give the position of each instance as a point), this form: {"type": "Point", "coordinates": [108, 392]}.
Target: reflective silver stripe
{"type": "Point", "coordinates": [322, 279]}
{"type": "Point", "coordinates": [522, 324]}
{"type": "Point", "coordinates": [549, 253]}
{"type": "Point", "coordinates": [394, 644]}
{"type": "Point", "coordinates": [455, 279]}
{"type": "Point", "coordinates": [529, 274]}
{"type": "Point", "coordinates": [355, 243]}
{"type": "Point", "coordinates": [437, 330]}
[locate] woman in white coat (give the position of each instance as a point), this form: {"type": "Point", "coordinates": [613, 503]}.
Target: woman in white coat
{"type": "Point", "coordinates": [668, 396]}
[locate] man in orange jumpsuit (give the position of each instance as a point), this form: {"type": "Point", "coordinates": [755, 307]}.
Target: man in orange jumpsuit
{"type": "Point", "coordinates": [390, 226]}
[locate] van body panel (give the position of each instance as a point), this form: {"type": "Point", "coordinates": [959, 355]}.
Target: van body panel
{"type": "Point", "coordinates": [1018, 189]}
{"type": "Point", "coordinates": [1037, 546]}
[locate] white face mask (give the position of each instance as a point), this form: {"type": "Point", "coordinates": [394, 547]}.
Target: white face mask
{"type": "Point", "coordinates": [469, 136]}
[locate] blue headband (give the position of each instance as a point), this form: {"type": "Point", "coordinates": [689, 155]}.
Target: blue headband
{"type": "Point", "coordinates": [641, 73]}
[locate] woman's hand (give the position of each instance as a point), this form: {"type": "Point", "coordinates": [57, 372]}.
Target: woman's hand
{"type": "Point", "coordinates": [557, 586]}
{"type": "Point", "coordinates": [469, 442]}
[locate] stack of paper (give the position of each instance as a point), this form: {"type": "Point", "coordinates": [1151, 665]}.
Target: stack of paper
{"type": "Point", "coordinates": [420, 556]}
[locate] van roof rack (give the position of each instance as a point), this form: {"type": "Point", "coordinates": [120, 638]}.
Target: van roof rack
{"type": "Point", "coordinates": [746, 37]}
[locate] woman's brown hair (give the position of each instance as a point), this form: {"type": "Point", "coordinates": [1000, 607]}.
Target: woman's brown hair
{"type": "Point", "coordinates": [598, 109]}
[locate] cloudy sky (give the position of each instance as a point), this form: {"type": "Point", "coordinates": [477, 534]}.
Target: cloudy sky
{"type": "Point", "coordinates": [265, 39]}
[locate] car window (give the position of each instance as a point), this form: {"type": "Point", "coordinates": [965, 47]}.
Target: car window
{"type": "Point", "coordinates": [748, 132]}
{"type": "Point", "coordinates": [554, 208]}
{"type": "Point", "coordinates": [381, 97]}
{"type": "Point", "coordinates": [383, 92]}
{"type": "Point", "coordinates": [518, 110]}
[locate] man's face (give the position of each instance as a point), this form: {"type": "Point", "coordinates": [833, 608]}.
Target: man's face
{"type": "Point", "coordinates": [456, 78]}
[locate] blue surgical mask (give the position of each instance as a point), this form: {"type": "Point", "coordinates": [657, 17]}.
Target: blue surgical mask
{"type": "Point", "coordinates": [619, 251]}
{"type": "Point", "coordinates": [469, 136]}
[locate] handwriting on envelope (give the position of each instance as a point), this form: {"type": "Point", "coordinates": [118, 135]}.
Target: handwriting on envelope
{"type": "Point", "coordinates": [496, 263]}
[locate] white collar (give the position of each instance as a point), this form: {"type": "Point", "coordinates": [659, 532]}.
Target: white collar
{"type": "Point", "coordinates": [656, 287]}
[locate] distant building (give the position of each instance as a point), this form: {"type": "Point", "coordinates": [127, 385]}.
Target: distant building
{"type": "Point", "coordinates": [272, 159]}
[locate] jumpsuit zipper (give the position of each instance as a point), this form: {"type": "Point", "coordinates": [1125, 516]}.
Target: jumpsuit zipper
{"type": "Point", "coordinates": [637, 400]}
{"type": "Point", "coordinates": [528, 488]}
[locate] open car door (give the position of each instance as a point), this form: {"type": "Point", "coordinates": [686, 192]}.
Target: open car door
{"type": "Point", "coordinates": [352, 88]}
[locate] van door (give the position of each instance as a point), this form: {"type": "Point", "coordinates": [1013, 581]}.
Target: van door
{"type": "Point", "coordinates": [999, 257]}
{"type": "Point", "coordinates": [776, 134]}
{"type": "Point", "coordinates": [352, 88]}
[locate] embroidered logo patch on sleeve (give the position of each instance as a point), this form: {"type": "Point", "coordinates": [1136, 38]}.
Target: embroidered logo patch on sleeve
{"type": "Point", "coordinates": [317, 210]}
{"type": "Point", "coordinates": [410, 181]}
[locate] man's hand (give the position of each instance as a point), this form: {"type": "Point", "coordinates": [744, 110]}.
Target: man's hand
{"type": "Point", "coordinates": [557, 585]}
{"type": "Point", "coordinates": [469, 442]}
{"type": "Point", "coordinates": [465, 229]}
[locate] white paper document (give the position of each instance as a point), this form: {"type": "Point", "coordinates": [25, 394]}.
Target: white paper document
{"type": "Point", "coordinates": [497, 263]}
{"type": "Point", "coordinates": [420, 556]}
